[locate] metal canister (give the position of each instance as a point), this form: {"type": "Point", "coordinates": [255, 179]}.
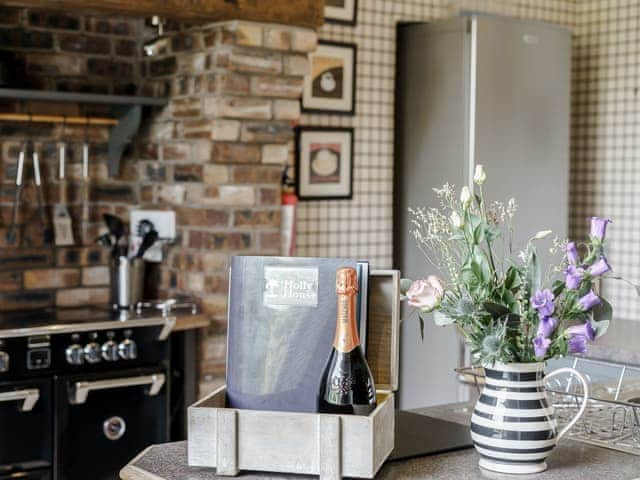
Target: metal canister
{"type": "Point", "coordinates": [137, 280]}
{"type": "Point", "coordinates": [123, 282]}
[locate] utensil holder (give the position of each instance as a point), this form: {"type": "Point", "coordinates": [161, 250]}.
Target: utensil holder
{"type": "Point", "coordinates": [127, 282]}
{"type": "Point", "coordinates": [136, 280]}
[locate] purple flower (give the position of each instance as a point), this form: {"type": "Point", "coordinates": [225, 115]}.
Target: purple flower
{"type": "Point", "coordinates": [540, 346]}
{"type": "Point", "coordinates": [600, 267]}
{"type": "Point", "coordinates": [578, 344]}
{"type": "Point", "coordinates": [589, 301]}
{"type": "Point", "coordinates": [579, 335]}
{"type": "Point", "coordinates": [546, 326]}
{"type": "Point", "coordinates": [584, 330]}
{"type": "Point", "coordinates": [543, 302]}
{"type": "Point", "coordinates": [599, 227]}
{"type": "Point", "coordinates": [572, 253]}
{"type": "Point", "coordinates": [573, 277]}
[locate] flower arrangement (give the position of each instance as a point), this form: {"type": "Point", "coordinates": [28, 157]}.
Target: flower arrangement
{"type": "Point", "coordinates": [505, 308]}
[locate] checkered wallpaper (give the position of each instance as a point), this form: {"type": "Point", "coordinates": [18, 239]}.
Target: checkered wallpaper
{"type": "Point", "coordinates": [605, 127]}
{"type": "Point", "coordinates": [362, 227]}
{"type": "Point", "coordinates": [605, 142]}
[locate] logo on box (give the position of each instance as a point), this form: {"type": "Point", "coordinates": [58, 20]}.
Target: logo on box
{"type": "Point", "coordinates": [291, 286]}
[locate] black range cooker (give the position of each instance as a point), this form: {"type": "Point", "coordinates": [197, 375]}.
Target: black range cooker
{"type": "Point", "coordinates": [81, 391]}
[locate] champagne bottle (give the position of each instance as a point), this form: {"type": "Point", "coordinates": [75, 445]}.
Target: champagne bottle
{"type": "Point", "coordinates": [347, 385]}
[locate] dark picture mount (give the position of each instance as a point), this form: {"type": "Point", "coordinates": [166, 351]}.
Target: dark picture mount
{"type": "Point", "coordinates": [352, 21]}
{"type": "Point", "coordinates": [299, 133]}
{"type": "Point", "coordinates": [352, 88]}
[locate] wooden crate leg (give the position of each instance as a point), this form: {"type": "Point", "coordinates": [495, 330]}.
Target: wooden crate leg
{"type": "Point", "coordinates": [227, 439]}
{"type": "Point", "coordinates": [329, 447]}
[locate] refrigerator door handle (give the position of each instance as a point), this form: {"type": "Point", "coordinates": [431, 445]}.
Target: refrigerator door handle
{"type": "Point", "coordinates": [81, 390]}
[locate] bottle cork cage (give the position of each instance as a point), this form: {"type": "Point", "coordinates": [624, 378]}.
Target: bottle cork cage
{"type": "Point", "coordinates": [331, 446]}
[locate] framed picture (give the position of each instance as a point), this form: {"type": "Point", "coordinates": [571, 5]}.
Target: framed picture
{"type": "Point", "coordinates": [324, 163]}
{"type": "Point", "coordinates": [331, 87]}
{"type": "Point", "coordinates": [341, 11]}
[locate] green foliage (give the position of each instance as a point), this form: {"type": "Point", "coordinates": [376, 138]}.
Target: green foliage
{"type": "Point", "coordinates": [488, 296]}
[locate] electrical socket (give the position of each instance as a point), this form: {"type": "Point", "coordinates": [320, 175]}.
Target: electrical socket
{"type": "Point", "coordinates": [163, 221]}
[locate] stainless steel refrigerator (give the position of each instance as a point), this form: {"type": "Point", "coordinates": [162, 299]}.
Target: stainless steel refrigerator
{"type": "Point", "coordinates": [471, 90]}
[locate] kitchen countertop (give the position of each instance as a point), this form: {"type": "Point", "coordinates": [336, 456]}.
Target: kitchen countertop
{"type": "Point", "coordinates": [188, 321]}
{"type": "Point", "coordinates": [570, 461]}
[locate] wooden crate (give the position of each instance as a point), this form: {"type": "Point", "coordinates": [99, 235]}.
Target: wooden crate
{"type": "Point", "coordinates": [331, 446]}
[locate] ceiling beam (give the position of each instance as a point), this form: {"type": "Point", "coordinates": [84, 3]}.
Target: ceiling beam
{"type": "Point", "coordinates": [304, 13]}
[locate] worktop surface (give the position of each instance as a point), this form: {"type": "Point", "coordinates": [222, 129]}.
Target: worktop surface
{"type": "Point", "coordinates": [570, 461]}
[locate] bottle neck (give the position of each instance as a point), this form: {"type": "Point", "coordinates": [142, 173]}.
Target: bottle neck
{"type": "Point", "coordinates": [346, 338]}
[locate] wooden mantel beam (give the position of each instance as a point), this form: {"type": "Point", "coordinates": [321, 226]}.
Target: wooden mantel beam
{"type": "Point", "coordinates": [305, 13]}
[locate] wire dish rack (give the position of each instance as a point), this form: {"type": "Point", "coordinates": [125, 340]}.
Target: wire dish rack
{"type": "Point", "coordinates": [612, 418]}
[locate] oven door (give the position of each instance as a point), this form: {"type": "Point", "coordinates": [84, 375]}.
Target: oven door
{"type": "Point", "coordinates": [104, 420]}
{"type": "Point", "coordinates": [26, 420]}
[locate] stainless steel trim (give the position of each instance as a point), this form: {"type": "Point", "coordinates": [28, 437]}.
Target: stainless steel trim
{"type": "Point", "coordinates": [28, 396]}
{"type": "Point", "coordinates": [473, 76]}
{"type": "Point", "coordinates": [4, 362]}
{"type": "Point", "coordinates": [81, 389]}
{"type": "Point", "coordinates": [166, 322]}
{"type": "Point", "coordinates": [169, 323]}
{"type": "Point", "coordinates": [114, 428]}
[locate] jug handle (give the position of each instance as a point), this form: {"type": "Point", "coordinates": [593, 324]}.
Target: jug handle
{"type": "Point", "coordinates": [585, 399]}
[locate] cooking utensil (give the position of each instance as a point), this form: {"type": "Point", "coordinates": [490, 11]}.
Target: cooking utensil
{"type": "Point", "coordinates": [61, 219]}
{"type": "Point", "coordinates": [85, 190]}
{"type": "Point", "coordinates": [47, 232]}
{"type": "Point", "coordinates": [144, 227]}
{"type": "Point", "coordinates": [147, 242]}
{"type": "Point", "coordinates": [117, 229]}
{"type": "Point", "coordinates": [115, 225]}
{"type": "Point", "coordinates": [104, 240]}
{"type": "Point", "coordinates": [11, 234]}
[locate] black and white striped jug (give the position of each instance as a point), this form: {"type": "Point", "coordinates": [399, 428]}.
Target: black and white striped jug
{"type": "Point", "coordinates": [513, 426]}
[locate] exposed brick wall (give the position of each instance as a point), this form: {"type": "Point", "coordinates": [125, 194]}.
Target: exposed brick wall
{"type": "Point", "coordinates": [216, 153]}
{"type": "Point", "coordinates": [66, 52]}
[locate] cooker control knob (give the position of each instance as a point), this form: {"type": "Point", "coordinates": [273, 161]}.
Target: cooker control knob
{"type": "Point", "coordinates": [92, 352]}
{"type": "Point", "coordinates": [74, 354]}
{"type": "Point", "coordinates": [110, 351]}
{"type": "Point", "coordinates": [4, 362]}
{"type": "Point", "coordinates": [128, 350]}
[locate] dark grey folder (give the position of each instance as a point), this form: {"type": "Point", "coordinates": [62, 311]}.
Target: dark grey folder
{"type": "Point", "coordinates": [282, 313]}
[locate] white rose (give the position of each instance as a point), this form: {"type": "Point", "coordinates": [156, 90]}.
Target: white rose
{"type": "Point", "coordinates": [479, 176]}
{"type": "Point", "coordinates": [456, 220]}
{"type": "Point", "coordinates": [465, 196]}
{"type": "Point", "coordinates": [426, 294]}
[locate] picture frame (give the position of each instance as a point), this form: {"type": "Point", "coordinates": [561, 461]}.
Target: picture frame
{"type": "Point", "coordinates": [331, 86]}
{"type": "Point", "coordinates": [324, 163]}
{"type": "Point", "coordinates": [343, 12]}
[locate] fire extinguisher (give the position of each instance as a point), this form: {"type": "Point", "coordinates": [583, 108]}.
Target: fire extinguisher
{"type": "Point", "coordinates": [288, 225]}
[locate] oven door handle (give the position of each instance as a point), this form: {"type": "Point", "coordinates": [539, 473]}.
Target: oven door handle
{"type": "Point", "coordinates": [29, 398]}
{"type": "Point", "coordinates": [81, 389]}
